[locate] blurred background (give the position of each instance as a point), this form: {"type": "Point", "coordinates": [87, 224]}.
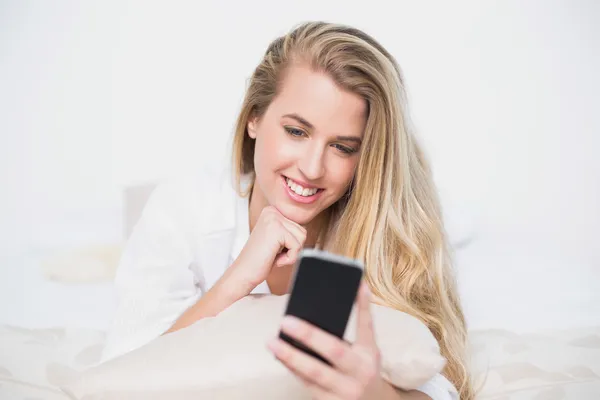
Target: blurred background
{"type": "Point", "coordinates": [97, 98]}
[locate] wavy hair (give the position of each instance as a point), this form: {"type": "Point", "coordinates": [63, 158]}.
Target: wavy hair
{"type": "Point", "coordinates": [401, 237]}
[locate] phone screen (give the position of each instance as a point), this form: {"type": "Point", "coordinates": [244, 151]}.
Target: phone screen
{"type": "Point", "coordinates": [323, 293]}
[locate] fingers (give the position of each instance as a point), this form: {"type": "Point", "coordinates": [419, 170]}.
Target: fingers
{"type": "Point", "coordinates": [293, 240]}
{"type": "Point", "coordinates": [319, 376]}
{"type": "Point", "coordinates": [297, 230]}
{"type": "Point", "coordinates": [338, 352]}
{"type": "Point", "coordinates": [293, 246]}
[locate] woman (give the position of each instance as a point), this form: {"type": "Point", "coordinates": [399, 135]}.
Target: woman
{"type": "Point", "coordinates": [323, 157]}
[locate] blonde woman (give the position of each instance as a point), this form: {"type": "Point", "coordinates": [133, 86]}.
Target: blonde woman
{"type": "Point", "coordinates": [322, 157]}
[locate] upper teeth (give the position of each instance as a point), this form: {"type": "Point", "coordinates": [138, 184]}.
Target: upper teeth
{"type": "Point", "coordinates": [299, 189]}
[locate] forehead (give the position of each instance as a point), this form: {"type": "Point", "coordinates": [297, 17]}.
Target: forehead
{"type": "Point", "coordinates": [317, 98]}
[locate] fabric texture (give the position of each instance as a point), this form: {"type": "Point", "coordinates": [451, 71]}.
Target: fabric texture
{"type": "Point", "coordinates": [225, 357]}
{"type": "Point", "coordinates": [545, 365]}
{"type": "Point", "coordinates": [35, 362]}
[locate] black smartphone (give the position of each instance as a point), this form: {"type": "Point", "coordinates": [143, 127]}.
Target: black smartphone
{"type": "Point", "coordinates": [324, 289]}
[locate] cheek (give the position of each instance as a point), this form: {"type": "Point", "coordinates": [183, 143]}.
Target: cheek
{"type": "Point", "coordinates": [342, 171]}
{"type": "Point", "coordinates": [269, 151]}
{"type": "Point", "coordinates": [274, 151]}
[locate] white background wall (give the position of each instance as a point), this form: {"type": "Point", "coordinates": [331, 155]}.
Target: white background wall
{"type": "Point", "coordinates": [95, 96]}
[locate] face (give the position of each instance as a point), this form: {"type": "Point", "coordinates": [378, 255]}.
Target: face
{"type": "Point", "coordinates": [307, 145]}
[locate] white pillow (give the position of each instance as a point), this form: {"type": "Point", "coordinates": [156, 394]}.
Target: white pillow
{"type": "Point", "coordinates": [225, 357]}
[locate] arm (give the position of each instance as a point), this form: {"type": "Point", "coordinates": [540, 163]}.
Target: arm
{"type": "Point", "coordinates": [226, 291]}
{"type": "Point", "coordinates": [154, 283]}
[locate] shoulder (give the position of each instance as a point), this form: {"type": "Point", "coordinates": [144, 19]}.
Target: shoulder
{"type": "Point", "coordinates": [202, 202]}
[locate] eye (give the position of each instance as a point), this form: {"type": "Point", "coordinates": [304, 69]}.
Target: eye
{"type": "Point", "coordinates": [294, 132]}
{"type": "Point", "coordinates": [344, 149]}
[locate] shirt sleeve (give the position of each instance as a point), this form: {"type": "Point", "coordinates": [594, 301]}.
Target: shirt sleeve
{"type": "Point", "coordinates": [439, 388]}
{"type": "Point", "coordinates": [154, 282]}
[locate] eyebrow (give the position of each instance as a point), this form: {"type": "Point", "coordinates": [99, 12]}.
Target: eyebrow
{"type": "Point", "coordinates": [311, 126]}
{"type": "Point", "coordinates": [300, 119]}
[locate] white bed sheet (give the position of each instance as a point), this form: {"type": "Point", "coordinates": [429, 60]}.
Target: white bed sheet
{"type": "Point", "coordinates": [48, 330]}
{"type": "Point", "coordinates": [34, 363]}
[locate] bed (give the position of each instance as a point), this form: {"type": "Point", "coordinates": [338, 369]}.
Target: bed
{"type": "Point", "coordinates": [61, 328]}
{"type": "Point", "coordinates": [48, 329]}
{"type": "Point", "coordinates": [548, 365]}
{"type": "Point", "coordinates": [527, 342]}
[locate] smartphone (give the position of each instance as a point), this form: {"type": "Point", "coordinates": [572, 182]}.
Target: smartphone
{"type": "Point", "coordinates": [324, 289]}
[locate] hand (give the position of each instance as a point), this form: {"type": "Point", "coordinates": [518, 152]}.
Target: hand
{"type": "Point", "coordinates": [274, 241]}
{"type": "Point", "coordinates": [355, 371]}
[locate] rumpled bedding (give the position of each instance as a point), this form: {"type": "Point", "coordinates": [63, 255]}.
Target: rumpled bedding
{"type": "Point", "coordinates": [549, 365]}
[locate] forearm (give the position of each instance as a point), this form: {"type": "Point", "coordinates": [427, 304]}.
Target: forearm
{"type": "Point", "coordinates": [226, 291]}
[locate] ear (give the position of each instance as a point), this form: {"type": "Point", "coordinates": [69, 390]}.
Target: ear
{"type": "Point", "coordinates": [252, 127]}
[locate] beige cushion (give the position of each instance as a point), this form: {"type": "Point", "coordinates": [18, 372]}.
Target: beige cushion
{"type": "Point", "coordinates": [225, 357]}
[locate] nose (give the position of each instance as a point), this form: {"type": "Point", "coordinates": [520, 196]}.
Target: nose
{"type": "Point", "coordinates": [312, 163]}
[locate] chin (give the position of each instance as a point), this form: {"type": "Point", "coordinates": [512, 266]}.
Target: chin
{"type": "Point", "coordinates": [301, 217]}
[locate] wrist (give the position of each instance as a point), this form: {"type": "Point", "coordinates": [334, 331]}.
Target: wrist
{"type": "Point", "coordinates": [235, 285]}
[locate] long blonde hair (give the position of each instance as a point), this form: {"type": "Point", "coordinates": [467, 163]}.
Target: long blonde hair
{"type": "Point", "coordinates": [400, 237]}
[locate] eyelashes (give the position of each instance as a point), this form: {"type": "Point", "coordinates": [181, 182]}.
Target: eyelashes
{"type": "Point", "coordinates": [345, 149]}
{"type": "Point", "coordinates": [294, 131]}
{"type": "Point", "coordinates": [299, 133]}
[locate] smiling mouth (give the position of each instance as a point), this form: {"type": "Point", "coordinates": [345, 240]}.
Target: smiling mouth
{"type": "Point", "coordinates": [301, 190]}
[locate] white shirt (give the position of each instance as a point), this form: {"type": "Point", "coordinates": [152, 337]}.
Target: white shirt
{"type": "Point", "coordinates": [189, 233]}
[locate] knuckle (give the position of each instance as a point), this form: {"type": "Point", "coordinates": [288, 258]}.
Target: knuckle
{"type": "Point", "coordinates": [267, 210]}
{"type": "Point", "coordinates": [370, 370]}
{"type": "Point", "coordinates": [296, 247]}
{"type": "Point", "coordinates": [305, 333]}
{"type": "Point", "coordinates": [270, 212]}
{"type": "Point", "coordinates": [376, 356]}
{"type": "Point", "coordinates": [338, 352]}
{"type": "Point", "coordinates": [272, 220]}
{"type": "Point", "coordinates": [315, 374]}
{"type": "Point", "coordinates": [286, 356]}
{"type": "Point", "coordinates": [265, 215]}
{"type": "Point", "coordinates": [303, 237]}
{"type": "Point", "coordinates": [370, 374]}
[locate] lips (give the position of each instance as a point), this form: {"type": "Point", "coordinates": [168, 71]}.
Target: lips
{"type": "Point", "coordinates": [301, 190]}
{"type": "Point", "coordinates": [299, 193]}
